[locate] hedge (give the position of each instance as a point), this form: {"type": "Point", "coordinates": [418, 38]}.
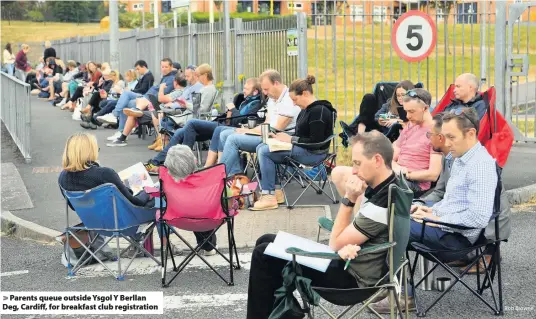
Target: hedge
{"type": "Point", "coordinates": [133, 20]}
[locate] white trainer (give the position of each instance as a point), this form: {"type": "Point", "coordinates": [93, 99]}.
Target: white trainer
{"type": "Point", "coordinates": [114, 137]}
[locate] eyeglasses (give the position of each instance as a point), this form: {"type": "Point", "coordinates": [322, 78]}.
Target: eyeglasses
{"type": "Point", "coordinates": [459, 112]}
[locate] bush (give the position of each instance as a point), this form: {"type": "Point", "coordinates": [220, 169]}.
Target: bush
{"type": "Point", "coordinates": [134, 20]}
{"type": "Point", "coordinates": [35, 16]}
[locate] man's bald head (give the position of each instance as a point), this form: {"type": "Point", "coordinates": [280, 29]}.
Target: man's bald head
{"type": "Point", "coordinates": [466, 87]}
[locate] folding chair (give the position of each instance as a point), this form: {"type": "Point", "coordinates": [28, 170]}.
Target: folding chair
{"type": "Point", "coordinates": [197, 203]}
{"type": "Point", "coordinates": [107, 212]}
{"type": "Point", "coordinates": [399, 203]}
{"type": "Point", "coordinates": [483, 246]}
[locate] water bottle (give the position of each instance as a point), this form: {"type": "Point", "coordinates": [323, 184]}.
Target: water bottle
{"type": "Point", "coordinates": [214, 113]}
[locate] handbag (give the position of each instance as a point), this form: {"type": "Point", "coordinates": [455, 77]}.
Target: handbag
{"type": "Point", "coordinates": [73, 251]}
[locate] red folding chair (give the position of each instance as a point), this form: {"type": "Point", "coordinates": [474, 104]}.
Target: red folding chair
{"type": "Point", "coordinates": [494, 133]}
{"type": "Point", "coordinates": [198, 203]}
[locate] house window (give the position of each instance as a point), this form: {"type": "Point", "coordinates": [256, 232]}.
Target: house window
{"type": "Point", "coordinates": [356, 13]}
{"type": "Point", "coordinates": [138, 6]}
{"type": "Point", "coordinates": [380, 13]}
{"type": "Point", "coordinates": [440, 14]}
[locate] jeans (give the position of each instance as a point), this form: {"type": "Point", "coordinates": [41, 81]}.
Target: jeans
{"type": "Point", "coordinates": [215, 143]}
{"type": "Point", "coordinates": [10, 67]}
{"type": "Point", "coordinates": [127, 99]}
{"type": "Point", "coordinates": [437, 239]}
{"type": "Point", "coordinates": [106, 106]}
{"type": "Point", "coordinates": [231, 155]}
{"type": "Point", "coordinates": [198, 130]}
{"type": "Point", "coordinates": [268, 160]}
{"type": "Point", "coordinates": [223, 138]}
{"type": "Point", "coordinates": [265, 278]}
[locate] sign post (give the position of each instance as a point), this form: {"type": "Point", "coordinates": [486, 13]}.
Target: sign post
{"type": "Point", "coordinates": [414, 36]}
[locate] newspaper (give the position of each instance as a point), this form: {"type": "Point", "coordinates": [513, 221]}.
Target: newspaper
{"type": "Point", "coordinates": [136, 178]}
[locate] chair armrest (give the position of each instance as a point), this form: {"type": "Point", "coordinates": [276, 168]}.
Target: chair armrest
{"type": "Point", "coordinates": [334, 256]}
{"type": "Point", "coordinates": [438, 222]}
{"type": "Point", "coordinates": [316, 144]}
{"type": "Point", "coordinates": [325, 223]}
{"type": "Point", "coordinates": [171, 112]}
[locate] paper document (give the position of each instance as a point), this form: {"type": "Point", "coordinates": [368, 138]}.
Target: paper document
{"type": "Point", "coordinates": [275, 145]}
{"type": "Point", "coordinates": [136, 178]}
{"type": "Point", "coordinates": [285, 240]}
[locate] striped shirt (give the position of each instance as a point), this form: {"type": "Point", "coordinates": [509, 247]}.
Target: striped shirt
{"type": "Point", "coordinates": [470, 193]}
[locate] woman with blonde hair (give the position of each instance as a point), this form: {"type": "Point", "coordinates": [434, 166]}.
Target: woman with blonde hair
{"type": "Point", "coordinates": [81, 171]}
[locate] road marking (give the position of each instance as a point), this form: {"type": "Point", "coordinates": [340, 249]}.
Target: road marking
{"type": "Point", "coordinates": [204, 301]}
{"type": "Point", "coordinates": [146, 266]}
{"type": "Point", "coordinates": [13, 273]}
{"type": "Point", "coordinates": [46, 170]}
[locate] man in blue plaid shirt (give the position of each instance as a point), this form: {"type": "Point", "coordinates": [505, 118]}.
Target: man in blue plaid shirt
{"type": "Point", "coordinates": [470, 191]}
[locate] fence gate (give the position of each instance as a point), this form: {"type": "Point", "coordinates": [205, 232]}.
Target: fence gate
{"type": "Point", "coordinates": [521, 70]}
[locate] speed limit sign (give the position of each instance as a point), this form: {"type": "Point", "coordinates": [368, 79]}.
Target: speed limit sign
{"type": "Point", "coordinates": [414, 36]}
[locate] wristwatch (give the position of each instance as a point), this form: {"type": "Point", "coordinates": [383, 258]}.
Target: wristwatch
{"type": "Point", "coordinates": [346, 202]}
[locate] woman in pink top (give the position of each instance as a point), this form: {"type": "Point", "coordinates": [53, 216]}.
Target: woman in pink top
{"type": "Point", "coordinates": [413, 153]}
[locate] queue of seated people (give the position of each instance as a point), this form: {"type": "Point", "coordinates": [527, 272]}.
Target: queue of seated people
{"type": "Point", "coordinates": [444, 146]}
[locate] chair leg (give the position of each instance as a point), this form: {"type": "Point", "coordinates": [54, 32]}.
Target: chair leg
{"type": "Point", "coordinates": [230, 240]}
{"type": "Point", "coordinates": [234, 244]}
{"type": "Point", "coordinates": [499, 278]}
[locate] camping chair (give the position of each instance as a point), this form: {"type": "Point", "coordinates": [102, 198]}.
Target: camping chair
{"type": "Point", "coordinates": [494, 133]}
{"type": "Point", "coordinates": [292, 169]}
{"type": "Point", "coordinates": [483, 246]}
{"type": "Point", "coordinates": [399, 203]}
{"type": "Point", "coordinates": [108, 213]}
{"type": "Point", "coordinates": [198, 203]}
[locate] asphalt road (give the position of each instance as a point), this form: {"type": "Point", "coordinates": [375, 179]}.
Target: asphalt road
{"type": "Point", "coordinates": [200, 294]}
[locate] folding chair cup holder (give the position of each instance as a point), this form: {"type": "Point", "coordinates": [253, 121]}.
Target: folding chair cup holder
{"type": "Point", "coordinates": [106, 212]}
{"type": "Point", "coordinates": [205, 209]}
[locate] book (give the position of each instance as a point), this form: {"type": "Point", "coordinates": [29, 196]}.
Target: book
{"type": "Point", "coordinates": [275, 145]}
{"type": "Point", "coordinates": [285, 240]}
{"type": "Point", "coordinates": [136, 178]}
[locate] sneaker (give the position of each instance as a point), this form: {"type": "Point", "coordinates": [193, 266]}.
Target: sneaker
{"type": "Point", "coordinates": [62, 103]}
{"type": "Point", "coordinates": [88, 125]}
{"type": "Point", "coordinates": [133, 112]}
{"type": "Point", "coordinates": [151, 169]}
{"type": "Point", "coordinates": [85, 117]}
{"type": "Point", "coordinates": [117, 143]}
{"type": "Point", "coordinates": [279, 196]}
{"type": "Point", "coordinates": [383, 306]}
{"type": "Point", "coordinates": [108, 118]}
{"type": "Point", "coordinates": [266, 202]}
{"type": "Point", "coordinates": [176, 251]}
{"type": "Point", "coordinates": [114, 137]}
{"type": "Point", "coordinates": [211, 252]}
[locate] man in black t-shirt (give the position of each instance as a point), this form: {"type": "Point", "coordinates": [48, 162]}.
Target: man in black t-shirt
{"type": "Point", "coordinates": [367, 188]}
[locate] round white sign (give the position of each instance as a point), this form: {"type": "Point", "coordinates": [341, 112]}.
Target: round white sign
{"type": "Point", "coordinates": [414, 36]}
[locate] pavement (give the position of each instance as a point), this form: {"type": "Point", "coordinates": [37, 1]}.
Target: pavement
{"type": "Point", "coordinates": [198, 293]}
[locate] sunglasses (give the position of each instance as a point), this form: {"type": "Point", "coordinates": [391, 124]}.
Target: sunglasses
{"type": "Point", "coordinates": [430, 134]}
{"type": "Point", "coordinates": [414, 95]}
{"type": "Point", "coordinates": [460, 112]}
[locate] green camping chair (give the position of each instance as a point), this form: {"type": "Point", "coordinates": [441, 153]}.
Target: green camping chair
{"type": "Point", "coordinates": [399, 227]}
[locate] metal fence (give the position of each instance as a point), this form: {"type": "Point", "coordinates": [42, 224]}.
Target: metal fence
{"type": "Point", "coordinates": [255, 46]}
{"type": "Point", "coordinates": [16, 113]}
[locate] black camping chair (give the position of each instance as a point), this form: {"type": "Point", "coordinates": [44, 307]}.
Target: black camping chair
{"type": "Point", "coordinates": [483, 246]}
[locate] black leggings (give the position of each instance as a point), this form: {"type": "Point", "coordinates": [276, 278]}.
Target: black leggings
{"type": "Point", "coordinates": [265, 278]}
{"type": "Point", "coordinates": [77, 94]}
{"type": "Point", "coordinates": [94, 102]}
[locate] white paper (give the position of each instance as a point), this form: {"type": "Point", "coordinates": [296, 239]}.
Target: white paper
{"type": "Point", "coordinates": [285, 240]}
{"type": "Point", "coordinates": [136, 178]}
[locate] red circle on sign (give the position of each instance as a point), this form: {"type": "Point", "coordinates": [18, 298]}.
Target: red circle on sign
{"type": "Point", "coordinates": [397, 25]}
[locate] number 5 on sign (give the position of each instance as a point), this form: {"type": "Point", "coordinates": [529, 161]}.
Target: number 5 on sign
{"type": "Point", "coordinates": [414, 36]}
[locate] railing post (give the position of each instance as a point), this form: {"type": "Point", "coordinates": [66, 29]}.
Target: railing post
{"type": "Point", "coordinates": [302, 45]}
{"type": "Point", "coordinates": [192, 52]}
{"type": "Point", "coordinates": [239, 53]}
{"type": "Point", "coordinates": [502, 99]}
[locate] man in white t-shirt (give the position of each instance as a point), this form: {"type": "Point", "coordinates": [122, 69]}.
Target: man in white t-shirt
{"type": "Point", "coordinates": [281, 114]}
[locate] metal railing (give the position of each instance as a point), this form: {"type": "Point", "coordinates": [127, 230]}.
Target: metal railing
{"type": "Point", "coordinates": [16, 113]}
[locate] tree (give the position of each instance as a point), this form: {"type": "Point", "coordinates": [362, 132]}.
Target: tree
{"type": "Point", "coordinates": [12, 10]}
{"type": "Point", "coordinates": [446, 6]}
{"type": "Point", "coordinates": [35, 16]}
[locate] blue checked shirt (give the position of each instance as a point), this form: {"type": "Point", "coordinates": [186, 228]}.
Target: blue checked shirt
{"type": "Point", "coordinates": [470, 193]}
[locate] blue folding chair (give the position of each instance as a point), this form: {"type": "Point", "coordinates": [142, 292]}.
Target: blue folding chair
{"type": "Point", "coordinates": [106, 212]}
